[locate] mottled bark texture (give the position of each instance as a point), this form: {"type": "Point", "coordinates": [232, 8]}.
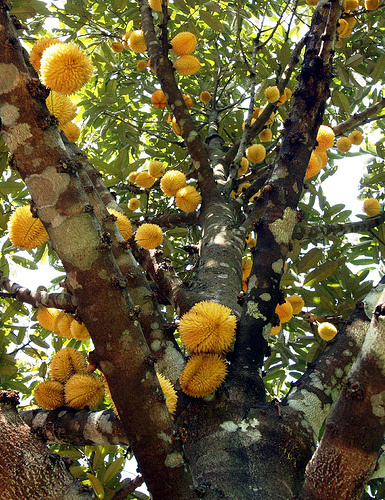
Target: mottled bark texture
{"type": "Point", "coordinates": [77, 428]}
{"type": "Point", "coordinates": [350, 446]}
{"type": "Point", "coordinates": [280, 199]}
{"type": "Point", "coordinates": [93, 274]}
{"type": "Point", "coordinates": [28, 469]}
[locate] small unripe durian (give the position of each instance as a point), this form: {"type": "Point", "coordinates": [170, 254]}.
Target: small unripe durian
{"type": "Point", "coordinates": [79, 330]}
{"type": "Point", "coordinates": [133, 204]}
{"type": "Point", "coordinates": [26, 231]}
{"type": "Point", "coordinates": [205, 96]}
{"type": "Point", "coordinates": [344, 144]}
{"type": "Point", "coordinates": [275, 330]}
{"type": "Point", "coordinates": [46, 316]}
{"type": "Point", "coordinates": [169, 393]}
{"type": "Point", "coordinates": [256, 153]}
{"type": "Point", "coordinates": [142, 65]}
{"type": "Point", "coordinates": [158, 99]}
{"type": "Point", "coordinates": [187, 65]}
{"type": "Point", "coordinates": [132, 176]}
{"type": "Point", "coordinates": [314, 166]}
{"type": "Point", "coordinates": [176, 128]}
{"type": "Point", "coordinates": [149, 236]}
{"type": "Point", "coordinates": [117, 47]}
{"type": "Point", "coordinates": [49, 395]}
{"type": "Point", "coordinates": [296, 302]}
{"type": "Point", "coordinates": [356, 137]}
{"type": "Point", "coordinates": [72, 131]}
{"type": "Point", "coordinates": [62, 325]}
{"type": "Point", "coordinates": [272, 94]}
{"type": "Point", "coordinates": [183, 43]}
{"type": "Point", "coordinates": [156, 169]}
{"type": "Point", "coordinates": [372, 207]}
{"type": "Point", "coordinates": [265, 135]}
{"type": "Point", "coordinates": [325, 138]}
{"type": "Point", "coordinates": [327, 331]}
{"type": "Point", "coordinates": [244, 166]}
{"type": "Point", "coordinates": [208, 327]}
{"type": "Point", "coordinates": [144, 180]}
{"type": "Point", "coordinates": [372, 4]}
{"type": "Point", "coordinates": [284, 311]}
{"type": "Point", "coordinates": [188, 100]}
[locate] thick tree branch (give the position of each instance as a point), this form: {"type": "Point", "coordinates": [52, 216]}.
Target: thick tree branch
{"type": "Point", "coordinates": [314, 233]}
{"type": "Point", "coordinates": [348, 451]}
{"type": "Point", "coordinates": [28, 469]}
{"type": "Point", "coordinates": [63, 300]}
{"type": "Point", "coordinates": [92, 272]}
{"type": "Point", "coordinates": [360, 118]}
{"type": "Point", "coordinates": [76, 427]}
{"type": "Point", "coordinates": [281, 200]}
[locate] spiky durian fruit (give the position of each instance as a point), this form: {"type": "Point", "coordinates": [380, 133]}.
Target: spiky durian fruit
{"type": "Point", "coordinates": [46, 316]}
{"type": "Point", "coordinates": [203, 374]}
{"type": "Point", "coordinates": [124, 225]}
{"type": "Point", "coordinates": [142, 65]}
{"type": "Point", "coordinates": [158, 99]}
{"type": "Point", "coordinates": [256, 153]}
{"type": "Point", "coordinates": [176, 128]}
{"type": "Point", "coordinates": [49, 395]}
{"type": "Point", "coordinates": [62, 324]}
{"type": "Point", "coordinates": [132, 176]}
{"type": "Point", "coordinates": [149, 236]}
{"type": "Point", "coordinates": [284, 311]}
{"type": "Point", "coordinates": [187, 65]}
{"type": "Point", "coordinates": [247, 265]}
{"type": "Point", "coordinates": [83, 390]}
{"type": "Point", "coordinates": [66, 363]}
{"type": "Point", "coordinates": [26, 231]}
{"type": "Point", "coordinates": [325, 138]}
{"type": "Point", "coordinates": [275, 330]}
{"type": "Point", "coordinates": [184, 43]}
{"type": "Point", "coordinates": [208, 327]}
{"type": "Point", "coordinates": [72, 131]}
{"type": "Point", "coordinates": [172, 181]}
{"type": "Point", "coordinates": [187, 198]}
{"type": "Point", "coordinates": [38, 48]}
{"type": "Point", "coordinates": [65, 67]}
{"type": "Point", "coordinates": [79, 330]}
{"type": "Point", "coordinates": [60, 106]}
{"type": "Point", "coordinates": [188, 100]}
{"type": "Point", "coordinates": [169, 393]}
{"type": "Point", "coordinates": [327, 331]}
{"type": "Point", "coordinates": [136, 41]}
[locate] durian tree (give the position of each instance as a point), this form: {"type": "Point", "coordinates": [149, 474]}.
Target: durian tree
{"type": "Point", "coordinates": [168, 161]}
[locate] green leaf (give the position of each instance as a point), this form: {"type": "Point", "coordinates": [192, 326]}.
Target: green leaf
{"type": "Point", "coordinates": [96, 485]}
{"type": "Point", "coordinates": [310, 260]}
{"type": "Point", "coordinates": [38, 341]}
{"type": "Point", "coordinates": [379, 68]}
{"type": "Point", "coordinates": [113, 469]}
{"type": "Point", "coordinates": [321, 273]}
{"type": "Point", "coordinates": [211, 21]}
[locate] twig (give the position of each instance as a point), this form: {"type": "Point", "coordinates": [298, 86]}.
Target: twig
{"type": "Point", "coordinates": [128, 488]}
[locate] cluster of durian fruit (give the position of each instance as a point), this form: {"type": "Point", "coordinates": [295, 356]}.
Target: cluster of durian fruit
{"type": "Point", "coordinates": [173, 183]}
{"type": "Point", "coordinates": [207, 331]}
{"type": "Point", "coordinates": [71, 384]}
{"type": "Point", "coordinates": [64, 68]}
